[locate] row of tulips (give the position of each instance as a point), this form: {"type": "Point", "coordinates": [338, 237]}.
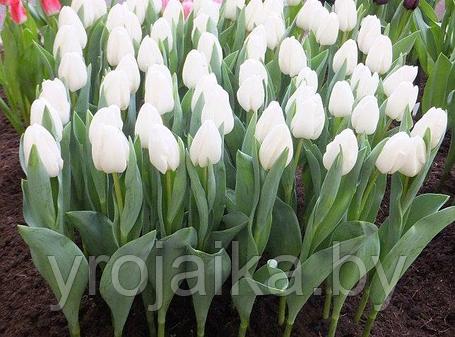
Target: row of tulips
{"type": "Point", "coordinates": [166, 134]}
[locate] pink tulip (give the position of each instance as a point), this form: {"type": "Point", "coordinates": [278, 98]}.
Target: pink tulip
{"type": "Point", "coordinates": [187, 7]}
{"type": "Point", "coordinates": [164, 4]}
{"type": "Point", "coordinates": [219, 2]}
{"type": "Point", "coordinates": [51, 7]}
{"type": "Point", "coordinates": [17, 11]}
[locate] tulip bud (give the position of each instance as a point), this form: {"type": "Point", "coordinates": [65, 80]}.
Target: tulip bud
{"type": "Point", "coordinates": [128, 64]}
{"type": "Point", "coordinates": [218, 109]}
{"type": "Point", "coordinates": [307, 77]}
{"type": "Point", "coordinates": [51, 7]}
{"type": "Point", "coordinates": [303, 91]}
{"type": "Point", "coordinates": [306, 14]}
{"type": "Point", "coordinates": [393, 153]}
{"type": "Point", "coordinates": [89, 10]}
{"type": "Point", "coordinates": [309, 119]}
{"type": "Point", "coordinates": [416, 156]}
{"type": "Point", "coordinates": [275, 30]}
{"type": "Point", "coordinates": [149, 54]}
{"type": "Point", "coordinates": [55, 93]}
{"type": "Point", "coordinates": [140, 7]}
{"type": "Point", "coordinates": [291, 57]}
{"type": "Point", "coordinates": [17, 12]}
{"type": "Point", "coordinates": [164, 151]}
{"type": "Point", "coordinates": [363, 82]}
{"type": "Point", "coordinates": [211, 8]}
{"type": "Point", "coordinates": [256, 43]}
{"type": "Point", "coordinates": [275, 143]}
{"type": "Point", "coordinates": [209, 46]}
{"type": "Point", "coordinates": [99, 8]}
{"type": "Point", "coordinates": [105, 116]}
{"type": "Point", "coordinates": [110, 149]}
{"type": "Point", "coordinates": [365, 116]}
{"type": "Point", "coordinates": [253, 14]}
{"type": "Point", "coordinates": [37, 112]}
{"type": "Point", "coordinates": [435, 120]}
{"type": "Point", "coordinates": [48, 150]}
{"type": "Point", "coordinates": [148, 117]}
{"type": "Point", "coordinates": [347, 53]}
{"type": "Point", "coordinates": [159, 90]}
{"type": "Point", "coordinates": [347, 141]}
{"type": "Point", "coordinates": [379, 58]}
{"type": "Point", "coordinates": [121, 16]}
{"type": "Point", "coordinates": [404, 96]}
{"type": "Point", "coordinates": [341, 99]}
{"type": "Point", "coordinates": [173, 12]}
{"type": "Point", "coordinates": [232, 7]}
{"type": "Point", "coordinates": [206, 148]}
{"type": "Point", "coordinates": [251, 68]}
{"type": "Point", "coordinates": [119, 44]}
{"type": "Point", "coordinates": [270, 117]}
{"type": "Point", "coordinates": [200, 24]}
{"type": "Point", "coordinates": [402, 74]}
{"type": "Point", "coordinates": [410, 4]}
{"type": "Point", "coordinates": [194, 68]}
{"type": "Point", "coordinates": [67, 41]}
{"type": "Point", "coordinates": [347, 14]}
{"type": "Point", "coordinates": [251, 94]}
{"type": "Point", "coordinates": [161, 32]}
{"type": "Point", "coordinates": [320, 14]}
{"type": "Point", "coordinates": [116, 89]}
{"type": "Point", "coordinates": [73, 71]}
{"type": "Point", "coordinates": [274, 6]}
{"type": "Point", "coordinates": [187, 6]}
{"type": "Point", "coordinates": [204, 86]}
{"type": "Point", "coordinates": [327, 32]}
{"type": "Point", "coordinates": [370, 29]}
{"type": "Point", "coordinates": [68, 17]}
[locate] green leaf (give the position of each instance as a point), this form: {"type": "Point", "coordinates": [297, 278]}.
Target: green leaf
{"type": "Point", "coordinates": [405, 45]}
{"type": "Point", "coordinates": [83, 99]}
{"type": "Point", "coordinates": [435, 93]}
{"type": "Point", "coordinates": [424, 205]}
{"type": "Point", "coordinates": [63, 266]}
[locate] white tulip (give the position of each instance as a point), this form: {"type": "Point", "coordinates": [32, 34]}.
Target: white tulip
{"type": "Point", "coordinates": [55, 93]}
{"type": "Point", "coordinates": [129, 65]}
{"type": "Point", "coordinates": [110, 149]}
{"type": "Point", "coordinates": [115, 89]}
{"type": "Point", "coordinates": [403, 74]}
{"type": "Point", "coordinates": [291, 57]}
{"type": "Point", "coordinates": [161, 31]}
{"type": "Point", "coordinates": [275, 30]}
{"type": "Point", "coordinates": [363, 82]}
{"type": "Point", "coordinates": [232, 7]}
{"type": "Point", "coordinates": [121, 16]}
{"type": "Point", "coordinates": [306, 14]}
{"type": "Point", "coordinates": [347, 14]}
{"type": "Point", "coordinates": [37, 113]}
{"type": "Point", "coordinates": [303, 91]}
{"type": "Point", "coordinates": [253, 14]}
{"type": "Point", "coordinates": [105, 116]}
{"type": "Point", "coordinates": [416, 156]}
{"type": "Point", "coordinates": [307, 77]}
{"type": "Point", "coordinates": [217, 108]}
{"type": "Point", "coordinates": [159, 89]}
{"type": "Point", "coordinates": [99, 8]}
{"type": "Point", "coordinates": [309, 119]}
{"type": "Point", "coordinates": [435, 120]}
{"type": "Point", "coordinates": [256, 43]}
{"type": "Point", "coordinates": [209, 46]}
{"type": "Point", "coordinates": [119, 44]}
{"type": "Point", "coordinates": [206, 148]}
{"type": "Point", "coordinates": [164, 151]}
{"type": "Point", "coordinates": [68, 16]}
{"type": "Point", "coordinates": [393, 153]}
{"type": "Point", "coordinates": [347, 141]}
{"type": "Point", "coordinates": [67, 41]}
{"type": "Point", "coordinates": [277, 141]}
{"type": "Point", "coordinates": [274, 6]}
{"type": "Point", "coordinates": [251, 68]}
{"type": "Point", "coordinates": [73, 71]}
{"type": "Point", "coordinates": [327, 32]}
{"type": "Point", "coordinates": [194, 68]}
{"type": "Point", "coordinates": [85, 10]}
{"type": "Point", "coordinates": [200, 24]}
{"type": "Point", "coordinates": [347, 53]}
{"type": "Point", "coordinates": [365, 116]}
{"type": "Point", "coordinates": [48, 150]}
{"type": "Point", "coordinates": [404, 96]}
{"type": "Point", "coordinates": [204, 86]}
{"type": "Point", "coordinates": [341, 99]}
{"type": "Point", "coordinates": [149, 54]}
{"type": "Point", "coordinates": [251, 94]}
{"type": "Point", "coordinates": [173, 12]}
{"type": "Point", "coordinates": [147, 117]}
{"type": "Point", "coordinates": [270, 117]}
{"type": "Point", "coordinates": [379, 58]}
{"type": "Point", "coordinates": [370, 29]}
{"type": "Point", "coordinates": [140, 7]}
{"type": "Point", "coordinates": [209, 8]}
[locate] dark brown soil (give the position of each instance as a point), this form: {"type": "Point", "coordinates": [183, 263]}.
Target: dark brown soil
{"type": "Point", "coordinates": [423, 303]}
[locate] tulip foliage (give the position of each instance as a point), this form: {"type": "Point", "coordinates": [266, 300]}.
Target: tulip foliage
{"type": "Point", "coordinates": [171, 134]}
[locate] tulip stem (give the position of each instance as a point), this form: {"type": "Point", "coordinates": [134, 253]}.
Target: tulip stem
{"type": "Point", "coordinates": [282, 311]}
{"type": "Point", "coordinates": [362, 305]}
{"type": "Point", "coordinates": [288, 330]}
{"type": "Point", "coordinates": [369, 189]}
{"type": "Point", "coordinates": [118, 192]}
{"type": "Point", "coordinates": [168, 188]}
{"type": "Point", "coordinates": [370, 322]}
{"type": "Point", "coordinates": [327, 302]}
{"type": "Point", "coordinates": [243, 328]}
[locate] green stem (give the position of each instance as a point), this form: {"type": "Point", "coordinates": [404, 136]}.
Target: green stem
{"type": "Point", "coordinates": [370, 323]}
{"type": "Point", "coordinates": [161, 323]}
{"type": "Point", "coordinates": [243, 328]}
{"type": "Point", "coordinates": [288, 330]}
{"type": "Point", "coordinates": [76, 331]}
{"type": "Point", "coordinates": [333, 326]}
{"type": "Point", "coordinates": [327, 302]}
{"type": "Point", "coordinates": [282, 310]}
{"type": "Point", "coordinates": [168, 197]}
{"type": "Point", "coordinates": [369, 189]}
{"type": "Point", "coordinates": [362, 305]}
